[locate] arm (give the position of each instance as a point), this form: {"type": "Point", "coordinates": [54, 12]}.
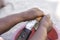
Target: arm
{"type": "Point", "coordinates": [8, 22]}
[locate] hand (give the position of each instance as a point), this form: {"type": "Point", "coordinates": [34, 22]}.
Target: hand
{"type": "Point", "coordinates": [31, 14]}
{"type": "Point", "coordinates": [46, 22]}
{"type": "Point", "coordinates": [41, 33]}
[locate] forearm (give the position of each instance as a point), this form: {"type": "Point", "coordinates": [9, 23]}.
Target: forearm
{"type": "Point", "coordinates": [41, 34]}
{"type": "Point", "coordinates": [8, 22]}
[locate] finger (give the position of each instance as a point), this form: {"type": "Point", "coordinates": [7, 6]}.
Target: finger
{"type": "Point", "coordinates": [44, 21]}
{"type": "Point", "coordinates": [37, 11]}
{"type": "Point", "coordinates": [33, 13]}
{"type": "Point", "coordinates": [50, 24]}
{"type": "Point", "coordinates": [50, 27]}
{"type": "Point", "coordinates": [46, 18]}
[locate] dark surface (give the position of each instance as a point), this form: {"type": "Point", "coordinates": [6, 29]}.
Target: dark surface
{"type": "Point", "coordinates": [24, 34]}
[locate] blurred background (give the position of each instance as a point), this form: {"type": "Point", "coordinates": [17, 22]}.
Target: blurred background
{"type": "Point", "coordinates": [51, 7]}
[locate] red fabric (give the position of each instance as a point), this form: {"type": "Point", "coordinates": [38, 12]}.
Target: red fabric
{"type": "Point", "coordinates": [52, 35]}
